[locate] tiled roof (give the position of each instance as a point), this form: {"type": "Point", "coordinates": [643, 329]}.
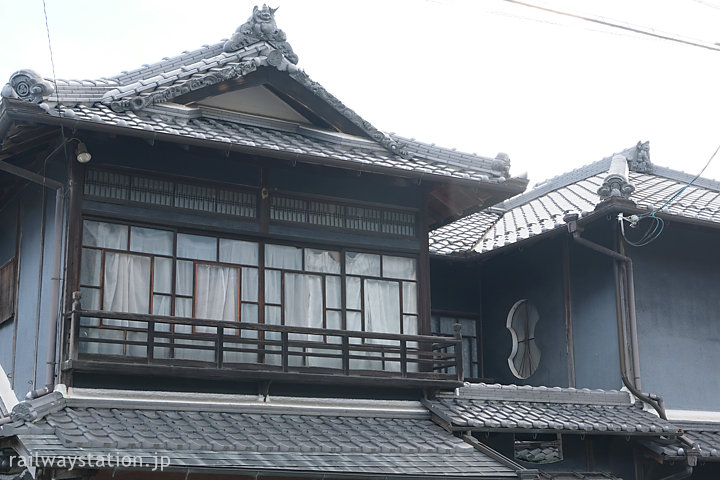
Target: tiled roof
{"type": "Point", "coordinates": [271, 135]}
{"type": "Point", "coordinates": [542, 209]}
{"type": "Point", "coordinates": [126, 101]}
{"type": "Point", "coordinates": [705, 437]}
{"type": "Point", "coordinates": [257, 437]}
{"type": "Point", "coordinates": [484, 407]}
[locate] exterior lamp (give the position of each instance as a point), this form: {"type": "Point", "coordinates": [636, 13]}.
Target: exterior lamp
{"type": "Point", "coordinates": [83, 156]}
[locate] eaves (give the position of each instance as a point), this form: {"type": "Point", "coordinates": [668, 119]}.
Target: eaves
{"type": "Point", "coordinates": [16, 110]}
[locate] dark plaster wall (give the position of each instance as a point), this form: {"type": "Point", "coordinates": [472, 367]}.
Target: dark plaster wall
{"type": "Point", "coordinates": [677, 282]}
{"type": "Point", "coordinates": [534, 273]}
{"type": "Point", "coordinates": [594, 313]}
{"type": "Point", "coordinates": [455, 286]}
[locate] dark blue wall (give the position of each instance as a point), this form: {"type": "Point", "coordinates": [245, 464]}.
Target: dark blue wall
{"type": "Point", "coordinates": [677, 283]}
{"type": "Point", "coordinates": [594, 313]}
{"type": "Point", "coordinates": [534, 273]}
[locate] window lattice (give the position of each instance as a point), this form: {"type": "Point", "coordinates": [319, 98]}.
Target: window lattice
{"type": "Point", "coordinates": [141, 189]}
{"type": "Point", "coordinates": [330, 214]}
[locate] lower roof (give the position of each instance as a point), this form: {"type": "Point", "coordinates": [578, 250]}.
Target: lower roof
{"type": "Point", "coordinates": [291, 440]}
{"type": "Point", "coordinates": [511, 408]}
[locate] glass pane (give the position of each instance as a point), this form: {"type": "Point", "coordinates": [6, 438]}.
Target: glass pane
{"type": "Point", "coordinates": [354, 322]}
{"type": "Point", "coordinates": [249, 314]}
{"type": "Point", "coordinates": [216, 290]}
{"type": "Point", "coordinates": [249, 284]}
{"type": "Point", "coordinates": [352, 292]}
{"type": "Point", "coordinates": [273, 316]}
{"type": "Point", "coordinates": [273, 287]}
{"type": "Point", "coordinates": [237, 251]}
{"type": "Point", "coordinates": [362, 264]}
{"type": "Point", "coordinates": [183, 308]}
{"type": "Point", "coordinates": [197, 247]}
{"type": "Point", "coordinates": [382, 306]}
{"type": "Point", "coordinates": [410, 324]}
{"type": "Point", "coordinates": [281, 256]}
{"type": "Point", "coordinates": [334, 320]}
{"type": "Point", "coordinates": [105, 235]}
{"type": "Point", "coordinates": [184, 278]}
{"type": "Point", "coordinates": [409, 297]}
{"type": "Point", "coordinates": [90, 298]}
{"type": "Point", "coordinates": [162, 275]}
{"type": "Point", "coordinates": [90, 267]}
{"type": "Point", "coordinates": [149, 240]}
{"type": "Point", "coordinates": [333, 292]}
{"type": "Point", "coordinates": [322, 261]}
{"type": "Point", "coordinates": [399, 267]}
{"type": "Point", "coordinates": [126, 283]}
{"type": "Point", "coordinates": [161, 305]}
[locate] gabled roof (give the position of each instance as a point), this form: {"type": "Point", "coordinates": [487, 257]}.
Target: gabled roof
{"type": "Point", "coordinates": [359, 439]}
{"type": "Point", "coordinates": [512, 408]}
{"type": "Point", "coordinates": [542, 209]}
{"type": "Point", "coordinates": [168, 100]}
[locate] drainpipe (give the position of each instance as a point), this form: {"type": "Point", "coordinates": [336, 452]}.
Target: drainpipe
{"type": "Point", "coordinates": [652, 399]}
{"type": "Point", "coordinates": [55, 272]}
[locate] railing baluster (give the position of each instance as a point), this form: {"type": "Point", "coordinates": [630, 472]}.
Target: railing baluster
{"type": "Point", "coordinates": [150, 341]}
{"type": "Point", "coordinates": [346, 355]}
{"type": "Point", "coordinates": [219, 340]}
{"type": "Point", "coordinates": [458, 352]}
{"type": "Point", "coordinates": [285, 354]}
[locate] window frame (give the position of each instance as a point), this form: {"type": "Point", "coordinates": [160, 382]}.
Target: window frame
{"type": "Point", "coordinates": [262, 303]}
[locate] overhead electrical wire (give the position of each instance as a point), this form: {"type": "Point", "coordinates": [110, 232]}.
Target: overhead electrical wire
{"type": "Point", "coordinates": [614, 24]}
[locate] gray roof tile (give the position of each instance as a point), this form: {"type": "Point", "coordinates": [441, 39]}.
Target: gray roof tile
{"type": "Point", "coordinates": [564, 410]}
{"type": "Point", "coordinates": [542, 209]}
{"type": "Point", "coordinates": [705, 436]}
{"type": "Point", "coordinates": [269, 439]}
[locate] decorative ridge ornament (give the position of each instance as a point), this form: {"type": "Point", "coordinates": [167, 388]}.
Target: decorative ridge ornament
{"type": "Point", "coordinates": [640, 162]}
{"type": "Point", "coordinates": [27, 85]}
{"type": "Point", "coordinates": [261, 27]}
{"type": "Point", "coordinates": [616, 183]}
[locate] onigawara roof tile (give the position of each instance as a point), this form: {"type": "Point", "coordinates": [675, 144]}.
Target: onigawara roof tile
{"type": "Point", "coordinates": [543, 208]}
{"type": "Point", "coordinates": [125, 102]}
{"type": "Point", "coordinates": [255, 436]}
{"type": "Point", "coordinates": [493, 407]}
{"type": "Point", "coordinates": [705, 437]}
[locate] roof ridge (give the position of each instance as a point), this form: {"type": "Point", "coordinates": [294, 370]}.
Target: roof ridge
{"type": "Point", "coordinates": [685, 177]}
{"type": "Point", "coordinates": [152, 69]}
{"type": "Point", "coordinates": [554, 183]}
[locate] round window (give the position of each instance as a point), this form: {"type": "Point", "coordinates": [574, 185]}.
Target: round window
{"type": "Point", "coordinates": [525, 355]}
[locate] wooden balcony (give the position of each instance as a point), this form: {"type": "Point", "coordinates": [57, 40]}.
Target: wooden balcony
{"type": "Point", "coordinates": [138, 344]}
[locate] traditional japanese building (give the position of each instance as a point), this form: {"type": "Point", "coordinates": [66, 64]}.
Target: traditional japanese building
{"type": "Point", "coordinates": [211, 267]}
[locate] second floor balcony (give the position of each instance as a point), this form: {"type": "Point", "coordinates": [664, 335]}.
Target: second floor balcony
{"type": "Point", "coordinates": [129, 343]}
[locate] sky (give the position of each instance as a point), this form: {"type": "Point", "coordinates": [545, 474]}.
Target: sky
{"type": "Point", "coordinates": [481, 76]}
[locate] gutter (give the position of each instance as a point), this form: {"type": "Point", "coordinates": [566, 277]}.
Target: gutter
{"type": "Point", "coordinates": [52, 319]}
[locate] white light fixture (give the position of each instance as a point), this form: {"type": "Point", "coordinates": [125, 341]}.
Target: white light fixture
{"type": "Point", "coordinates": [83, 156]}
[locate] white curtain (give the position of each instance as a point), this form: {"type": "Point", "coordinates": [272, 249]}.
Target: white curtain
{"type": "Point", "coordinates": [382, 315]}
{"type": "Point", "coordinates": [126, 289]}
{"type": "Point", "coordinates": [303, 307]}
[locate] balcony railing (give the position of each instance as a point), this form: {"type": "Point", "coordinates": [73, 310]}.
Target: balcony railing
{"type": "Point", "coordinates": [102, 340]}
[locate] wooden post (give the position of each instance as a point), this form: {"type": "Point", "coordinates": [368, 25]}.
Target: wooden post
{"type": "Point", "coordinates": [75, 325]}
{"type": "Point", "coordinates": [458, 352]}
{"type": "Point", "coordinates": [403, 358]}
